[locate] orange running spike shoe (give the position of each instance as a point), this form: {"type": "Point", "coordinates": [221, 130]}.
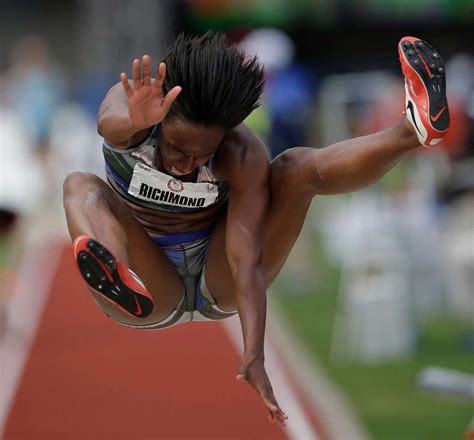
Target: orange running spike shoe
{"type": "Point", "coordinates": [109, 277]}
{"type": "Point", "coordinates": [425, 90]}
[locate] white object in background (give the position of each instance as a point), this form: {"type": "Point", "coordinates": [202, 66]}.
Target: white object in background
{"type": "Point", "coordinates": [275, 49]}
{"type": "Point", "coordinates": [21, 176]}
{"type": "Point", "coordinates": [379, 324]}
{"type": "Point", "coordinates": [447, 381]}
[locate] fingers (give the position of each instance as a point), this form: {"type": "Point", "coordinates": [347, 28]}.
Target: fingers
{"type": "Point", "coordinates": [160, 75]}
{"type": "Point", "coordinates": [136, 75]}
{"type": "Point", "coordinates": [170, 97]}
{"type": "Point", "coordinates": [273, 407]}
{"type": "Point", "coordinates": [126, 84]}
{"type": "Point", "coordinates": [146, 70]}
{"type": "Point", "coordinates": [276, 412]}
{"type": "Point", "coordinates": [241, 378]}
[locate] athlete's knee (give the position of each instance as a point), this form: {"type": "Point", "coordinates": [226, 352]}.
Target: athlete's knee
{"type": "Point", "coordinates": [82, 189]}
{"type": "Point", "coordinates": [80, 186]}
{"type": "Point", "coordinates": [290, 168]}
{"type": "Point", "coordinates": [77, 182]}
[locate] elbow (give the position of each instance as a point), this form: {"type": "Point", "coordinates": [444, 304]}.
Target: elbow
{"type": "Point", "coordinates": [245, 273]}
{"type": "Point", "coordinates": [101, 125]}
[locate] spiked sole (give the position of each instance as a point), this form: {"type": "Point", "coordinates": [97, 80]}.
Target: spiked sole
{"type": "Point", "coordinates": [425, 86]}
{"type": "Point", "coordinates": [99, 269]}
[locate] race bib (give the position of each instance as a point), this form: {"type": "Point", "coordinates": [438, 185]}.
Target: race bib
{"type": "Point", "coordinates": [153, 186]}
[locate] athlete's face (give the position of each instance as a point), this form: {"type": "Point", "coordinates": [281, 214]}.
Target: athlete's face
{"type": "Point", "coordinates": [184, 147]}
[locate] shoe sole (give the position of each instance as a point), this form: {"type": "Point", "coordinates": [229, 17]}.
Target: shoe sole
{"type": "Point", "coordinates": [99, 269]}
{"type": "Point", "coordinates": [426, 62]}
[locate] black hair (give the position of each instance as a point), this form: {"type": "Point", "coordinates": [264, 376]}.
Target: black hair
{"type": "Point", "coordinates": [221, 86]}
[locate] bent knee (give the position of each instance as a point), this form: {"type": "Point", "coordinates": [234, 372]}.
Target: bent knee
{"type": "Point", "coordinates": [77, 182]}
{"type": "Point", "coordinates": [292, 168]}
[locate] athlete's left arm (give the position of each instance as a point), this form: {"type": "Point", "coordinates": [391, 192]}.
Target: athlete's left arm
{"type": "Point", "coordinates": [246, 167]}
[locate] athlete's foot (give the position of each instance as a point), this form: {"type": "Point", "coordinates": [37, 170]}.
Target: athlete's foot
{"type": "Point", "coordinates": [109, 277]}
{"type": "Point", "coordinates": [425, 90]}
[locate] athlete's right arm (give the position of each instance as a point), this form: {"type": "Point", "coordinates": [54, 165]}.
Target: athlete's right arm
{"type": "Point", "coordinates": [132, 107]}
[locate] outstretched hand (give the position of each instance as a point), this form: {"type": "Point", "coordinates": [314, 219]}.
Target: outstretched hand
{"type": "Point", "coordinates": [147, 105]}
{"type": "Point", "coordinates": [254, 374]}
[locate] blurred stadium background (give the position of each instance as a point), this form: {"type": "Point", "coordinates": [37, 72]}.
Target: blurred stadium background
{"type": "Point", "coordinates": [380, 289]}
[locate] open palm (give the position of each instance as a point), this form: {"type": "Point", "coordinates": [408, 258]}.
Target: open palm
{"type": "Point", "coordinates": [147, 105]}
{"type": "Point", "coordinates": [255, 375]}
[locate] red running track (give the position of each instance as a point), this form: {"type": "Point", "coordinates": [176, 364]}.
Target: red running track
{"type": "Point", "coordinates": [89, 378]}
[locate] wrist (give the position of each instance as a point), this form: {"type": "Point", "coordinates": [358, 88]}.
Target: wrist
{"type": "Point", "coordinates": [253, 358]}
{"type": "Point", "coordinates": [137, 125]}
{"type": "Point", "coordinates": [117, 128]}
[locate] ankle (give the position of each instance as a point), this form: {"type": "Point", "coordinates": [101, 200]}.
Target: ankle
{"type": "Point", "coordinates": [408, 136]}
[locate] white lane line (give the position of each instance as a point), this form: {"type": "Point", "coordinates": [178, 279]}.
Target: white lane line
{"type": "Point", "coordinates": [299, 427]}
{"type": "Point", "coordinates": [337, 414]}
{"type": "Point", "coordinates": [32, 284]}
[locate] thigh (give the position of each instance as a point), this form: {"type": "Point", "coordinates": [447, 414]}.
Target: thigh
{"type": "Point", "coordinates": [93, 208]}
{"type": "Point", "coordinates": [290, 198]}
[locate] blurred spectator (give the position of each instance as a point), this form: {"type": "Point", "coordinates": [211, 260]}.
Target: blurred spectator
{"type": "Point", "coordinates": [21, 177]}
{"type": "Point", "coordinates": [81, 152]}
{"type": "Point", "coordinates": [35, 88]}
{"type": "Point", "coordinates": [290, 95]}
{"type": "Point", "coordinates": [289, 89]}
